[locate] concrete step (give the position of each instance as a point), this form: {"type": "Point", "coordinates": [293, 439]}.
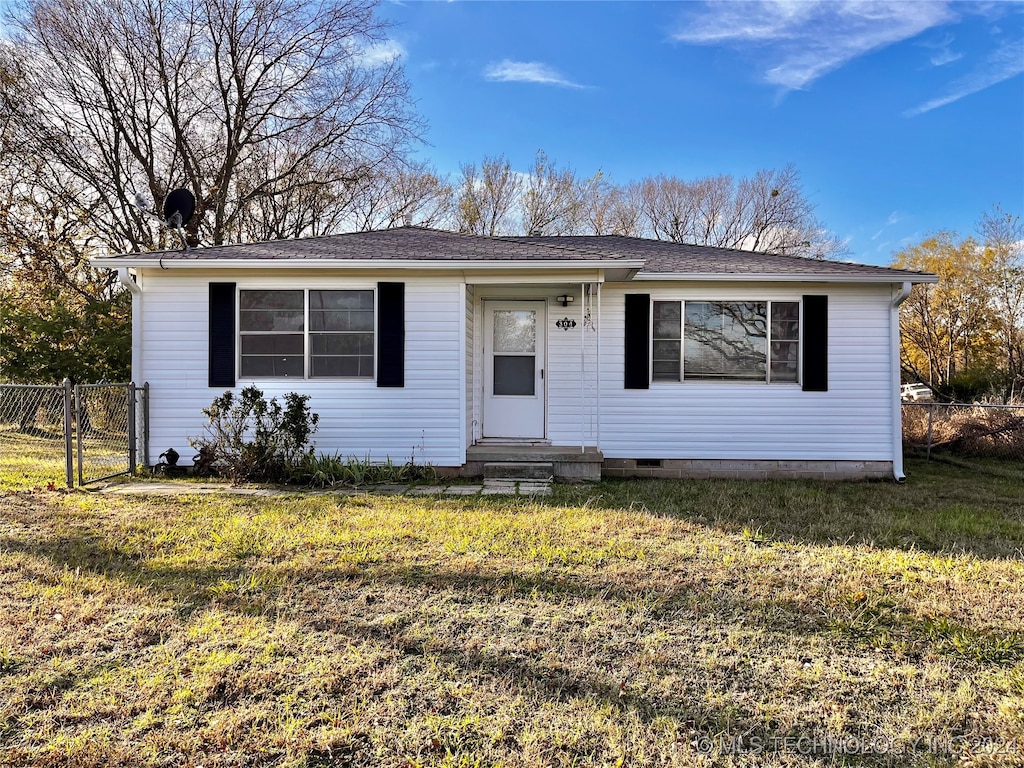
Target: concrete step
{"type": "Point", "coordinates": [519, 470]}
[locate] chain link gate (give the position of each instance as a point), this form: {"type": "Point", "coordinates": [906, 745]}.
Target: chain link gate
{"type": "Point", "coordinates": [45, 430]}
{"type": "Point", "coordinates": [105, 430]}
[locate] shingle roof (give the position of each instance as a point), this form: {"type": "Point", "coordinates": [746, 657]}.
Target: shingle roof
{"type": "Point", "coordinates": [661, 257]}
{"type": "Point", "coordinates": [421, 244]}
{"type": "Point", "coordinates": [405, 243]}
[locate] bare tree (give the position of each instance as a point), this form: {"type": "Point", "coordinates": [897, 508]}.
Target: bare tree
{"type": "Point", "coordinates": [552, 199]}
{"type": "Point", "coordinates": [767, 212]}
{"type": "Point", "coordinates": [240, 101]}
{"type": "Point", "coordinates": [412, 194]}
{"type": "Point", "coordinates": [1002, 234]}
{"type": "Point", "coordinates": [487, 198]}
{"type": "Point", "coordinates": [669, 209]}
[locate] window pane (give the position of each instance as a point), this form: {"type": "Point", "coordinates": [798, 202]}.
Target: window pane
{"type": "Point", "coordinates": [785, 360]}
{"type": "Point", "coordinates": [270, 300]}
{"type": "Point", "coordinates": [271, 365]}
{"type": "Point", "coordinates": [666, 360]}
{"type": "Point", "coordinates": [666, 370]}
{"type": "Point", "coordinates": [270, 320]}
{"type": "Point", "coordinates": [725, 340]}
{"type": "Point", "coordinates": [341, 343]}
{"type": "Point", "coordinates": [785, 320]}
{"type": "Point", "coordinates": [341, 320]}
{"type": "Point", "coordinates": [514, 375]}
{"type": "Point", "coordinates": [347, 366]}
{"type": "Point", "coordinates": [272, 344]}
{"type": "Point", "coordinates": [667, 317]}
{"type": "Point", "coordinates": [341, 300]}
{"type": "Point", "coordinates": [515, 330]}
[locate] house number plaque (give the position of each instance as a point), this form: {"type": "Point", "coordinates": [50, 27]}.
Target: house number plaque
{"type": "Point", "coordinates": [565, 323]}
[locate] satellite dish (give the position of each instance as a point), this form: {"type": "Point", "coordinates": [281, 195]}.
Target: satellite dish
{"type": "Point", "coordinates": [179, 205]}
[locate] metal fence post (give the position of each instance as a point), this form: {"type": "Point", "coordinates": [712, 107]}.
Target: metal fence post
{"type": "Point", "coordinates": [78, 425]}
{"type": "Point", "coordinates": [132, 448]}
{"type": "Point", "coordinates": [69, 465]}
{"type": "Point", "coordinates": [145, 424]}
{"type": "Point", "coordinates": [931, 417]}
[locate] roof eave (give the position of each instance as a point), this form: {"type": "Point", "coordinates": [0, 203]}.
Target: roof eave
{"type": "Point", "coordinates": [792, 277]}
{"type": "Point", "coordinates": [287, 263]}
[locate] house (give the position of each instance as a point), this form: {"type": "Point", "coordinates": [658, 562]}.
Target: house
{"type": "Point", "coordinates": [599, 353]}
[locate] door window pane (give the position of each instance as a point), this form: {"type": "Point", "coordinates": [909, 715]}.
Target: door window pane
{"type": "Point", "coordinates": [515, 330]}
{"type": "Point", "coordinates": [514, 375]}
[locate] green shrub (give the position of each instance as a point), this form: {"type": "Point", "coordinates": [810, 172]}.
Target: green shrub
{"type": "Point", "coordinates": [249, 437]}
{"type": "Point", "coordinates": [978, 384]}
{"type": "Point", "coordinates": [324, 470]}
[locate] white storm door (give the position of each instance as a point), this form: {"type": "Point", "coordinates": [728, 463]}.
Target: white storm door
{"type": "Point", "coordinates": [514, 333]}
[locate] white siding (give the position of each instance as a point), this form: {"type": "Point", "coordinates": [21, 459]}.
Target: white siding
{"type": "Point", "coordinates": [356, 417]}
{"type": "Point", "coordinates": [745, 420]}
{"type": "Point", "coordinates": [571, 396]}
{"type": "Point", "coordinates": [561, 366]}
{"type": "Point", "coordinates": [439, 409]}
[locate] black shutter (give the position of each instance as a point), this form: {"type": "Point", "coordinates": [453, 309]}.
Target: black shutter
{"type": "Point", "coordinates": [390, 334]}
{"type": "Point", "coordinates": [222, 334]}
{"type": "Point", "coordinates": [637, 353]}
{"type": "Point", "coordinates": [815, 337]}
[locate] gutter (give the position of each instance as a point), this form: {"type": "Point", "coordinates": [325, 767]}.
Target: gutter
{"type": "Point", "coordinates": [897, 405]}
{"type": "Point", "coordinates": [135, 290]}
{"type": "Point", "coordinates": [787, 277]}
{"type": "Point", "coordinates": [375, 264]}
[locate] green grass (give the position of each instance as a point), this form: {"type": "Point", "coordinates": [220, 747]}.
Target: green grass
{"type": "Point", "coordinates": [30, 461]}
{"type": "Point", "coordinates": [625, 623]}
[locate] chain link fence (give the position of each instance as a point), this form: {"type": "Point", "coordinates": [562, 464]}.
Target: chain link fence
{"type": "Point", "coordinates": [34, 421]}
{"type": "Point", "coordinates": [964, 430]}
{"type": "Point", "coordinates": [49, 431]}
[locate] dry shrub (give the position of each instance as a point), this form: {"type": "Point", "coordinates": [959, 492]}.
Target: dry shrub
{"type": "Point", "coordinates": [966, 430]}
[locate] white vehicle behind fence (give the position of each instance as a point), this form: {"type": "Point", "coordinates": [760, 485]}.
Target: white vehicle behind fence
{"type": "Point", "coordinates": [915, 393]}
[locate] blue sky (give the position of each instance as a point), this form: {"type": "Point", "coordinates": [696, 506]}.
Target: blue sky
{"type": "Point", "coordinates": [903, 117]}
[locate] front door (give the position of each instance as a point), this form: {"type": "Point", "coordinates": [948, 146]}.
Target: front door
{"type": "Point", "coordinates": [514, 369]}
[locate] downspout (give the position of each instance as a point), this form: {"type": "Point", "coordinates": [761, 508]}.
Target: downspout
{"type": "Point", "coordinates": [897, 406]}
{"type": "Point", "coordinates": [597, 375]}
{"type": "Point", "coordinates": [135, 290]}
{"type": "Point", "coordinates": [583, 367]}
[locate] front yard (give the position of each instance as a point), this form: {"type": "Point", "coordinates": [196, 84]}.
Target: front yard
{"type": "Point", "coordinates": [626, 623]}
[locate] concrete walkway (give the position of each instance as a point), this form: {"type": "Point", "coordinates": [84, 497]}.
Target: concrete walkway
{"type": "Point", "coordinates": [485, 488]}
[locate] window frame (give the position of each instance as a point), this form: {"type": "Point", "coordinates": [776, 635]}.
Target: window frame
{"type": "Point", "coordinates": [307, 362]}
{"type": "Point", "coordinates": [768, 342]}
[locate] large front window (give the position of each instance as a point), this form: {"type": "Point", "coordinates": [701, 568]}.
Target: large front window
{"type": "Point", "coordinates": [298, 333]}
{"type": "Point", "coordinates": [726, 340]}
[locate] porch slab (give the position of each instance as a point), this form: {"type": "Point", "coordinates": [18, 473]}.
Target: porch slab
{"type": "Point", "coordinates": [567, 462]}
{"type": "Point", "coordinates": [519, 470]}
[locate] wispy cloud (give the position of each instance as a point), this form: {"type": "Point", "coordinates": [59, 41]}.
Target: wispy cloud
{"type": "Point", "coordinates": [383, 52]}
{"type": "Point", "coordinates": [894, 218]}
{"type": "Point", "coordinates": [1005, 62]}
{"type": "Point", "coordinates": [944, 57]}
{"type": "Point", "coordinates": [805, 39]}
{"type": "Point", "coordinates": [943, 54]}
{"type": "Point", "coordinates": [508, 71]}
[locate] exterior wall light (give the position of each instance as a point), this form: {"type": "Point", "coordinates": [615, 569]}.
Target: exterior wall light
{"type": "Point", "coordinates": [566, 300]}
